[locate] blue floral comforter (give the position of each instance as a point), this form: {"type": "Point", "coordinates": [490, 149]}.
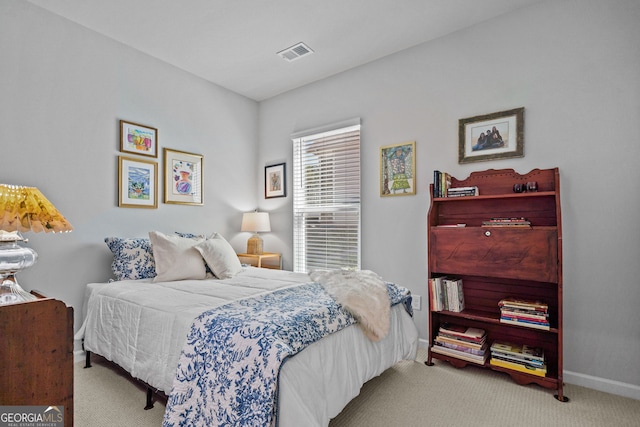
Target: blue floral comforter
{"type": "Point", "coordinates": [227, 374]}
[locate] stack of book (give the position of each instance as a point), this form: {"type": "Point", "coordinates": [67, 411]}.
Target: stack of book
{"type": "Point", "coordinates": [469, 344]}
{"type": "Point", "coordinates": [446, 294]}
{"type": "Point", "coordinates": [463, 191]}
{"type": "Point", "coordinates": [521, 358]}
{"type": "Point", "coordinates": [507, 222]}
{"type": "Point", "coordinates": [441, 182]}
{"type": "Point", "coordinates": [532, 314]}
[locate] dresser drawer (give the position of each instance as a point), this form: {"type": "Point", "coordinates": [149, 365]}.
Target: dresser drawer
{"type": "Point", "coordinates": [524, 254]}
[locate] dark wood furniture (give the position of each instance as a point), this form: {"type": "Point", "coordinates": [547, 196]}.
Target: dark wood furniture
{"type": "Point", "coordinates": [499, 262]}
{"type": "Point", "coordinates": [36, 355]}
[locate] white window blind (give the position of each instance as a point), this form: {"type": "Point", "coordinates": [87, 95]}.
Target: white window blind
{"type": "Point", "coordinates": [326, 200]}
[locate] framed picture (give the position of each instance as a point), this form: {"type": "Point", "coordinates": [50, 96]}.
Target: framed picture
{"type": "Point", "coordinates": [491, 136]}
{"type": "Point", "coordinates": [275, 181]}
{"type": "Point", "coordinates": [182, 178]}
{"type": "Point", "coordinates": [138, 139]}
{"type": "Point", "coordinates": [398, 169]}
{"type": "Point", "coordinates": [137, 183]}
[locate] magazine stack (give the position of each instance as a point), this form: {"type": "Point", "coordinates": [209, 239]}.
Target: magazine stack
{"type": "Point", "coordinates": [469, 344]}
{"type": "Point", "coordinates": [531, 314]}
{"type": "Point", "coordinates": [521, 358]}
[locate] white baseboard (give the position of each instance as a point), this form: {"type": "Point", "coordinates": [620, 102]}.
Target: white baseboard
{"type": "Point", "coordinates": [601, 384]}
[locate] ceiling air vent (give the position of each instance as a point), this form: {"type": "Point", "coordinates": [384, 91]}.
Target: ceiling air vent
{"type": "Point", "coordinates": [296, 51]}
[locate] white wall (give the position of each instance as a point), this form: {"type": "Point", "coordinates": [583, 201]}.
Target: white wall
{"type": "Point", "coordinates": [63, 89]}
{"type": "Point", "coordinates": [574, 66]}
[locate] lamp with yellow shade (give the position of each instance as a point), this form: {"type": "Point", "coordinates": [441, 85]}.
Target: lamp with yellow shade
{"type": "Point", "coordinates": [255, 222]}
{"type": "Point", "coordinates": [22, 209]}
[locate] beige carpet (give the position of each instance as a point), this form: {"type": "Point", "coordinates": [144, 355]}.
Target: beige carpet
{"type": "Point", "coordinates": [409, 394]}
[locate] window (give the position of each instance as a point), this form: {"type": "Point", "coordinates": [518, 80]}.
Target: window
{"type": "Point", "coordinates": [326, 198]}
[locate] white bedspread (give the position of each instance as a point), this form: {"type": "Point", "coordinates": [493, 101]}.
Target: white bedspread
{"type": "Point", "coordinates": [142, 327]}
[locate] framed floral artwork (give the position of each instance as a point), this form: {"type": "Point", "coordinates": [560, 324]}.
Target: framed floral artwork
{"type": "Point", "coordinates": [275, 181]}
{"type": "Point", "coordinates": [137, 183]}
{"type": "Point", "coordinates": [182, 178]}
{"type": "Point", "coordinates": [138, 139]}
{"type": "Point", "coordinates": [397, 169]}
{"type": "Point", "coordinates": [491, 136]}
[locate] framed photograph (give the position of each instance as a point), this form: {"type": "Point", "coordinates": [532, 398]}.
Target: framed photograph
{"type": "Point", "coordinates": [275, 181]}
{"type": "Point", "coordinates": [137, 183]}
{"type": "Point", "coordinates": [182, 178]}
{"type": "Point", "coordinates": [138, 139]}
{"type": "Point", "coordinates": [398, 169]}
{"type": "Point", "coordinates": [491, 136]}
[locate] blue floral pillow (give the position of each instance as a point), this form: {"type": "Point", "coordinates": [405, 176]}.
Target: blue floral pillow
{"type": "Point", "coordinates": [132, 258]}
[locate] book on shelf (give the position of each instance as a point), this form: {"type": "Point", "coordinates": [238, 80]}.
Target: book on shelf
{"type": "Point", "coordinates": [539, 371]}
{"type": "Point", "coordinates": [477, 359]}
{"type": "Point", "coordinates": [463, 191]}
{"type": "Point", "coordinates": [525, 323]}
{"type": "Point", "coordinates": [519, 351]}
{"type": "Point", "coordinates": [444, 338]}
{"type": "Point", "coordinates": [481, 351]}
{"type": "Point", "coordinates": [474, 334]}
{"type": "Point", "coordinates": [514, 359]}
{"type": "Point", "coordinates": [447, 294]}
{"type": "Point", "coordinates": [523, 304]}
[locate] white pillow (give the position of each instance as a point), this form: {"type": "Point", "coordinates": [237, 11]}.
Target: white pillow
{"type": "Point", "coordinates": [220, 256]}
{"type": "Point", "coordinates": [175, 257]}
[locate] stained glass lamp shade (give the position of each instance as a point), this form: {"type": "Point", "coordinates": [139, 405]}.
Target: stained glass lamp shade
{"type": "Point", "coordinates": [22, 209]}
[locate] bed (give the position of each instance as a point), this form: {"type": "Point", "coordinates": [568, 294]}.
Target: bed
{"type": "Point", "coordinates": [144, 325]}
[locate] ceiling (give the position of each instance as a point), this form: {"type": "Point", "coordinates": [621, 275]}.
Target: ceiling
{"type": "Point", "coordinates": [234, 43]}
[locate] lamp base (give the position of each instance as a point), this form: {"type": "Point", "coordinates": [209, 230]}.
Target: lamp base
{"type": "Point", "coordinates": [254, 245]}
{"type": "Point", "coordinates": [11, 292]}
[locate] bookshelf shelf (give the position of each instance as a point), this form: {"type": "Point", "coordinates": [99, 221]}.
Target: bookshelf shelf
{"type": "Point", "coordinates": [500, 262]}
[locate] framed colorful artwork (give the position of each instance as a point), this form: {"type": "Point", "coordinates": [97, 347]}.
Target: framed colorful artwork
{"type": "Point", "coordinates": [137, 183]}
{"type": "Point", "coordinates": [138, 139]}
{"type": "Point", "coordinates": [491, 136]}
{"type": "Point", "coordinates": [275, 181]}
{"type": "Point", "coordinates": [398, 169]}
{"type": "Point", "coordinates": [182, 178]}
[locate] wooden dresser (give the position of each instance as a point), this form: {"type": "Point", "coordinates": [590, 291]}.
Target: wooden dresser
{"type": "Point", "coordinates": [36, 355]}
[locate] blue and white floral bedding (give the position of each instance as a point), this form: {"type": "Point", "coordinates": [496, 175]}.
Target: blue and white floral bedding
{"type": "Point", "coordinates": [142, 326]}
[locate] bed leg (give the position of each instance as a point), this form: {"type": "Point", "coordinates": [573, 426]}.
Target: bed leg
{"type": "Point", "coordinates": [87, 359]}
{"type": "Point", "coordinates": [149, 399]}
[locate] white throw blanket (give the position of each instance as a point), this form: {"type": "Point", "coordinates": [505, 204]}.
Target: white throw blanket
{"type": "Point", "coordinates": [362, 293]}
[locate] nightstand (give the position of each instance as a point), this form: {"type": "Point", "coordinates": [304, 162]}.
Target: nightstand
{"type": "Point", "coordinates": [36, 355]}
{"type": "Point", "coordinates": [264, 260]}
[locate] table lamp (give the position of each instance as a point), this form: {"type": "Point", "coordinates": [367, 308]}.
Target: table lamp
{"type": "Point", "coordinates": [255, 222]}
{"type": "Point", "coordinates": [22, 209]}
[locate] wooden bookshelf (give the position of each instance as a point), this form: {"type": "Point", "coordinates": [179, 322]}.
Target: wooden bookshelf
{"type": "Point", "coordinates": [500, 262]}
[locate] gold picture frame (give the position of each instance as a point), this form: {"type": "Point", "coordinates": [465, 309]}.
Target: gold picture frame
{"type": "Point", "coordinates": [137, 183]}
{"type": "Point", "coordinates": [398, 169]}
{"type": "Point", "coordinates": [138, 139]}
{"type": "Point", "coordinates": [183, 177]}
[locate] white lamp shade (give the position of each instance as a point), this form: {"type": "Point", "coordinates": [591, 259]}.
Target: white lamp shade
{"type": "Point", "coordinates": [256, 222]}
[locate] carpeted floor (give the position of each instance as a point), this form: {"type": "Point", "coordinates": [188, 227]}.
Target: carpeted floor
{"type": "Point", "coordinates": [409, 394]}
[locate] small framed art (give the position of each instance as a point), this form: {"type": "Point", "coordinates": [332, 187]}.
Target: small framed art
{"type": "Point", "coordinates": [138, 139]}
{"type": "Point", "coordinates": [491, 136]}
{"type": "Point", "coordinates": [137, 183]}
{"type": "Point", "coordinates": [182, 178]}
{"type": "Point", "coordinates": [397, 169]}
{"type": "Point", "coordinates": [275, 181]}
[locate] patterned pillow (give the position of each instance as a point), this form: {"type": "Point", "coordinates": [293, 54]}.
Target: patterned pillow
{"type": "Point", "coordinates": [132, 258]}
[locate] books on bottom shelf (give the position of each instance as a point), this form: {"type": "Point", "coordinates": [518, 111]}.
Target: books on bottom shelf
{"type": "Point", "coordinates": [446, 294]}
{"type": "Point", "coordinates": [521, 358]}
{"type": "Point", "coordinates": [520, 367]}
{"type": "Point", "coordinates": [468, 344]}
